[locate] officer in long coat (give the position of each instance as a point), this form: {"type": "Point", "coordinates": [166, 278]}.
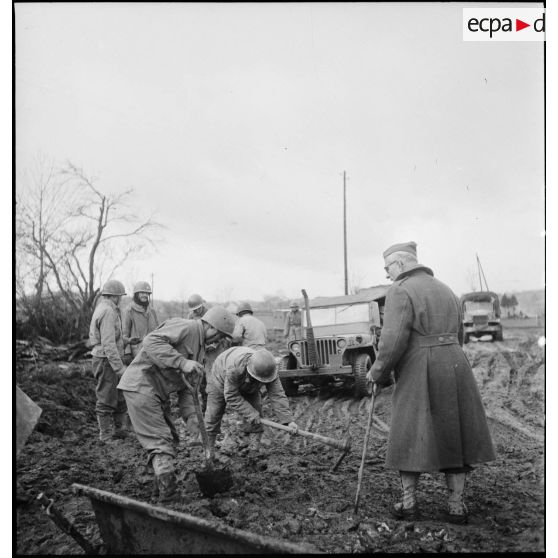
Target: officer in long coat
{"type": "Point", "coordinates": [139, 319]}
{"type": "Point", "coordinates": [176, 347]}
{"type": "Point", "coordinates": [438, 419]}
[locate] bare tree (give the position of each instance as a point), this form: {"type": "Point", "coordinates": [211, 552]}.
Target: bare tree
{"type": "Point", "coordinates": [73, 236]}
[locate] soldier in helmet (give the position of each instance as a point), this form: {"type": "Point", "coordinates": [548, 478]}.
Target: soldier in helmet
{"type": "Point", "coordinates": [235, 382]}
{"type": "Point", "coordinates": [196, 306]}
{"type": "Point", "coordinates": [107, 342]}
{"type": "Point", "coordinates": [293, 323]}
{"type": "Point", "coordinates": [177, 346]}
{"type": "Point", "coordinates": [249, 331]}
{"type": "Point", "coordinates": [139, 319]}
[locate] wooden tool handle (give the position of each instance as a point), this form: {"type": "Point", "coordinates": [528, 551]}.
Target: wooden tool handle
{"type": "Point", "coordinates": [343, 445]}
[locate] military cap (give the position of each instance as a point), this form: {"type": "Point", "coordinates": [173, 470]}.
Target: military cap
{"type": "Point", "coordinates": [410, 247]}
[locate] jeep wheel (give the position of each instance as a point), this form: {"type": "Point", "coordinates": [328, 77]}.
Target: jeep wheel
{"type": "Point", "coordinates": [288, 384]}
{"type": "Point", "coordinates": [362, 364]}
{"type": "Point", "coordinates": [498, 336]}
{"type": "Point", "coordinates": [465, 338]}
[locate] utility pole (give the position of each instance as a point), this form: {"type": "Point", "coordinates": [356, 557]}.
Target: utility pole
{"type": "Point", "coordinates": [345, 230]}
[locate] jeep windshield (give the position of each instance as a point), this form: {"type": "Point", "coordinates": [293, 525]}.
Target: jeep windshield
{"type": "Point", "coordinates": [336, 315]}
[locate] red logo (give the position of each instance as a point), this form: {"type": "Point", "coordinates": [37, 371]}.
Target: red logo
{"type": "Point", "coordinates": [519, 25]}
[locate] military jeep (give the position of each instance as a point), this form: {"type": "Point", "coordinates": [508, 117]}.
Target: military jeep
{"type": "Point", "coordinates": [340, 341]}
{"type": "Point", "coordinates": [481, 315]}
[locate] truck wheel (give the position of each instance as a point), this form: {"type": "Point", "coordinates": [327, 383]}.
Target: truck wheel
{"type": "Point", "coordinates": [362, 364]}
{"type": "Point", "coordinates": [465, 338]}
{"type": "Point", "coordinates": [499, 336]}
{"type": "Point", "coordinates": [288, 384]}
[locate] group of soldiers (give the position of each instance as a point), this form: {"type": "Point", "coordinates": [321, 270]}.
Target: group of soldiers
{"type": "Point", "coordinates": [138, 363]}
{"type": "Point", "coordinates": [438, 422]}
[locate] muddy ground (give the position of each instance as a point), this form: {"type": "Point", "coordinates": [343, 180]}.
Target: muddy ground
{"type": "Point", "coordinates": [288, 490]}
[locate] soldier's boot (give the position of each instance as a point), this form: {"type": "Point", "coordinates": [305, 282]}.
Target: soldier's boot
{"type": "Point", "coordinates": [229, 446]}
{"type": "Point", "coordinates": [122, 425]}
{"type": "Point", "coordinates": [407, 508]}
{"type": "Point", "coordinates": [163, 467]}
{"type": "Point", "coordinates": [106, 427]}
{"type": "Point", "coordinates": [457, 510]}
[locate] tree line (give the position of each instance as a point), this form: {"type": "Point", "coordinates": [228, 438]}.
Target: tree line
{"type": "Point", "coordinates": [70, 237]}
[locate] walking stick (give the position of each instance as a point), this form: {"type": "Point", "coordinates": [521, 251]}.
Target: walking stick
{"type": "Point", "coordinates": [365, 447]}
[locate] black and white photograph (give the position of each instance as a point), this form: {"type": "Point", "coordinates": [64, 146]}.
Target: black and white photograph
{"type": "Point", "coordinates": [279, 278]}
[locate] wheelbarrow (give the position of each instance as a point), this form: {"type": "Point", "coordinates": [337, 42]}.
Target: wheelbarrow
{"type": "Point", "coordinates": [211, 480]}
{"type": "Point", "coordinates": [128, 526]}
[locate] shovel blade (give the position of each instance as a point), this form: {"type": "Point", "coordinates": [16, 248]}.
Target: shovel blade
{"type": "Point", "coordinates": [213, 481]}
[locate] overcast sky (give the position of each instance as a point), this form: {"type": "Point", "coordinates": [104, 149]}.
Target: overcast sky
{"type": "Point", "coordinates": [235, 123]}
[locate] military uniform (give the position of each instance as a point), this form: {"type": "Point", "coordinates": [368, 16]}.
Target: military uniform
{"type": "Point", "coordinates": [154, 374]}
{"type": "Point", "coordinates": [250, 332]}
{"type": "Point", "coordinates": [138, 321]}
{"type": "Point", "coordinates": [438, 419]}
{"type": "Point", "coordinates": [230, 385]}
{"type": "Point", "coordinates": [293, 325]}
{"type": "Point", "coordinates": [107, 342]}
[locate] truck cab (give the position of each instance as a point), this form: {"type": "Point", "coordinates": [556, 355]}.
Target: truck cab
{"type": "Point", "coordinates": [343, 342]}
{"type": "Point", "coordinates": [481, 315]}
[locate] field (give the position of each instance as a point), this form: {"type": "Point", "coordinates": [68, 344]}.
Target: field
{"type": "Point", "coordinates": [288, 490]}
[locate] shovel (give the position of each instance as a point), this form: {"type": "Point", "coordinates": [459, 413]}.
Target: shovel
{"type": "Point", "coordinates": [210, 479]}
{"type": "Point", "coordinates": [343, 445]}
{"type": "Point", "coordinates": [365, 446]}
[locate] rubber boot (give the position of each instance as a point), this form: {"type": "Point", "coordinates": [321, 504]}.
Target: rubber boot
{"type": "Point", "coordinates": [122, 425]}
{"type": "Point", "coordinates": [407, 508]}
{"type": "Point", "coordinates": [457, 510]}
{"type": "Point", "coordinates": [163, 468]}
{"type": "Point", "coordinates": [106, 427]}
{"type": "Point", "coordinates": [229, 445]}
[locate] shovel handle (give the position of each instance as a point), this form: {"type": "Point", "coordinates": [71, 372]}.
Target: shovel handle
{"type": "Point", "coordinates": [343, 445]}
{"type": "Point", "coordinates": [207, 449]}
{"type": "Point", "coordinates": [365, 448]}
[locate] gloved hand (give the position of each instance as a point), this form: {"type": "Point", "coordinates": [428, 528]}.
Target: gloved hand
{"type": "Point", "coordinates": [254, 420]}
{"type": "Point", "coordinates": [191, 367]}
{"type": "Point", "coordinates": [375, 385]}
{"type": "Point", "coordinates": [134, 340]}
{"type": "Point", "coordinates": [294, 426]}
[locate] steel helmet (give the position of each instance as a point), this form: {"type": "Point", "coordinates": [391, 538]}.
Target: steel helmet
{"type": "Point", "coordinates": [113, 287]}
{"type": "Point", "coordinates": [219, 318]}
{"type": "Point", "coordinates": [142, 287]}
{"type": "Point", "coordinates": [244, 307]}
{"type": "Point", "coordinates": [262, 366]}
{"type": "Point", "coordinates": [294, 304]}
{"type": "Point", "coordinates": [195, 301]}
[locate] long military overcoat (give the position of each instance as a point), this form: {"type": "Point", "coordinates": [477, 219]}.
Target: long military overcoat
{"type": "Point", "coordinates": [438, 419]}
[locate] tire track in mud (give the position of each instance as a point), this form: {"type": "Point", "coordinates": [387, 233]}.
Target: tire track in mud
{"type": "Point", "coordinates": [334, 413]}
{"type": "Point", "coordinates": [510, 375]}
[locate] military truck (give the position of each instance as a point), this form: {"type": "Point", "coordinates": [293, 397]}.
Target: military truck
{"type": "Point", "coordinates": [339, 341]}
{"type": "Point", "coordinates": [481, 315]}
